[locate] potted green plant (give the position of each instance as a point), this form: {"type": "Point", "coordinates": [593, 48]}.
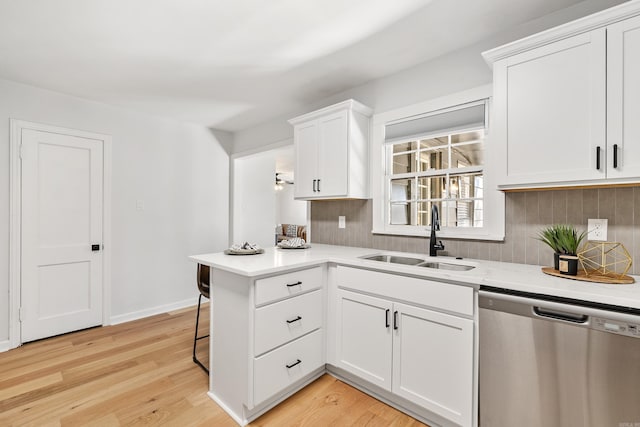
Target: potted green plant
{"type": "Point", "coordinates": [549, 236]}
{"type": "Point", "coordinates": [565, 241]}
{"type": "Point", "coordinates": [570, 240]}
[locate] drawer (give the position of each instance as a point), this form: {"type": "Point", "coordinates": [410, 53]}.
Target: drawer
{"type": "Point", "coordinates": [280, 322]}
{"type": "Point", "coordinates": [282, 367]}
{"type": "Point", "coordinates": [288, 284]}
{"type": "Point", "coordinates": [438, 295]}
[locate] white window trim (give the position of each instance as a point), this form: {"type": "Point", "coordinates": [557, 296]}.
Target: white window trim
{"type": "Point", "coordinates": [494, 206]}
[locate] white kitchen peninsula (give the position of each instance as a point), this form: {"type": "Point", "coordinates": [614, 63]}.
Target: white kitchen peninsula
{"type": "Point", "coordinates": [279, 319]}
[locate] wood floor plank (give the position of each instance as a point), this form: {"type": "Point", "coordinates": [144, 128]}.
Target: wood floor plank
{"type": "Point", "coordinates": [141, 373]}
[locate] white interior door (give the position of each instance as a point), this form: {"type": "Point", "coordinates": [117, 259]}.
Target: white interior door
{"type": "Point", "coordinates": [62, 217]}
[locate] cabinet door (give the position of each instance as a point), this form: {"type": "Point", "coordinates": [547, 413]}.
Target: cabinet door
{"type": "Point", "coordinates": [333, 161]}
{"type": "Point", "coordinates": [550, 112]}
{"type": "Point", "coordinates": [433, 362]}
{"type": "Point", "coordinates": [623, 92]}
{"type": "Point", "coordinates": [306, 146]}
{"type": "Point", "coordinates": [364, 337]}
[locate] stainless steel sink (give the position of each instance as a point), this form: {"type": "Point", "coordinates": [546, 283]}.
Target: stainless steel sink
{"type": "Point", "coordinates": [418, 262]}
{"type": "Point", "coordinates": [446, 266]}
{"type": "Point", "coordinates": [394, 259]}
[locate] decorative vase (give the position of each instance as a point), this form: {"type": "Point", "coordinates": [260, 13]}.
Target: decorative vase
{"type": "Point", "coordinates": [568, 264]}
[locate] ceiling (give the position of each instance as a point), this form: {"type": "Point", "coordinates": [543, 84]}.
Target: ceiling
{"type": "Point", "coordinates": [230, 65]}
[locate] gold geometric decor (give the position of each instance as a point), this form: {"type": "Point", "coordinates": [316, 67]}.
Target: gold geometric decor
{"type": "Point", "coordinates": [605, 259]}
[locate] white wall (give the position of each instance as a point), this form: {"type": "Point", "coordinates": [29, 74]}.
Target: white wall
{"type": "Point", "coordinates": [289, 210]}
{"type": "Point", "coordinates": [254, 201]}
{"type": "Point", "coordinates": [451, 73]}
{"type": "Point", "coordinates": [180, 171]}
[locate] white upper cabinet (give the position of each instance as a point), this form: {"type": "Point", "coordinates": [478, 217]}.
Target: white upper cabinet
{"type": "Point", "coordinates": [332, 152]}
{"type": "Point", "coordinates": [623, 99]}
{"type": "Point", "coordinates": [560, 117]}
{"type": "Point", "coordinates": [550, 111]}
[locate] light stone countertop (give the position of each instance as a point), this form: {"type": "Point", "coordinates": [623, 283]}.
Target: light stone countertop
{"type": "Point", "coordinates": [516, 277]}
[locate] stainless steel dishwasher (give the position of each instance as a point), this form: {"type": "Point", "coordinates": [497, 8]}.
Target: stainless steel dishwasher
{"type": "Point", "coordinates": [549, 362]}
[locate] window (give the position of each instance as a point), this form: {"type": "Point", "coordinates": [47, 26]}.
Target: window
{"type": "Point", "coordinates": [436, 156]}
{"type": "Point", "coordinates": [445, 170]}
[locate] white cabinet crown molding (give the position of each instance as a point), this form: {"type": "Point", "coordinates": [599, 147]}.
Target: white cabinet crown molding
{"type": "Point", "coordinates": [349, 104]}
{"type": "Point", "coordinates": [581, 25]}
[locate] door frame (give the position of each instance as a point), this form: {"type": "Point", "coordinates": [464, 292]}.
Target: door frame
{"type": "Point", "coordinates": [15, 219]}
{"type": "Point", "coordinates": [232, 184]}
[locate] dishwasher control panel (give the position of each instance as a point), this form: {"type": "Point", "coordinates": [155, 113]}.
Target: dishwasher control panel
{"type": "Point", "coordinates": [616, 327]}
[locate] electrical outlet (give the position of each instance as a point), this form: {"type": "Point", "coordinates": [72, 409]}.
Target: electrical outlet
{"type": "Point", "coordinates": [597, 229]}
{"type": "Point", "coordinates": [342, 222]}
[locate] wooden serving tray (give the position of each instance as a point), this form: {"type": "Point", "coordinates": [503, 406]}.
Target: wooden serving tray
{"type": "Point", "coordinates": [614, 279]}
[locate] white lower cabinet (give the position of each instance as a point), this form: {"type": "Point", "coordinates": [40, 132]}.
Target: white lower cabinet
{"type": "Point", "coordinates": [433, 362]}
{"type": "Point", "coordinates": [287, 333]}
{"type": "Point", "coordinates": [364, 342]}
{"type": "Point", "coordinates": [410, 337]}
{"type": "Point", "coordinates": [422, 355]}
{"type": "Point", "coordinates": [282, 367]}
{"type": "Point", "coordinates": [267, 338]}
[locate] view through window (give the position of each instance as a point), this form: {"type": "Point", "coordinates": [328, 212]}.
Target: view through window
{"type": "Point", "coordinates": [444, 169]}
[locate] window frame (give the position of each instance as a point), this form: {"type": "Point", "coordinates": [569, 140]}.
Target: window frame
{"type": "Point", "coordinates": [493, 200]}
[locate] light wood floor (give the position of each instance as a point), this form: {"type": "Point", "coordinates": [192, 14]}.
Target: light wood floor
{"type": "Point", "coordinates": [141, 373]}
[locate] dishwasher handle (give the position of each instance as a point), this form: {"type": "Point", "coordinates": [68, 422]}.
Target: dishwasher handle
{"type": "Point", "coordinates": [561, 315]}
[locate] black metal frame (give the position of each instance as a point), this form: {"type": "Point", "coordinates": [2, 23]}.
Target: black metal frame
{"type": "Point", "coordinates": [196, 338]}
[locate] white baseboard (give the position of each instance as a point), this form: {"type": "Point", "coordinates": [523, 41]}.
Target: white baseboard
{"type": "Point", "coordinates": [135, 315]}
{"type": "Point", "coordinates": [5, 345]}
{"type": "Point", "coordinates": [238, 419]}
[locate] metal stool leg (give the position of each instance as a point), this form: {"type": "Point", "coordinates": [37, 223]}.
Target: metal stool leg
{"type": "Point", "coordinates": [196, 337]}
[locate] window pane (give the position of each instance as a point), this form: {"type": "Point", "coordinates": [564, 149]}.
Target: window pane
{"type": "Point", "coordinates": [404, 163]}
{"type": "Point", "coordinates": [431, 187]}
{"type": "Point", "coordinates": [400, 214]}
{"type": "Point", "coordinates": [467, 137]}
{"type": "Point", "coordinates": [401, 189]}
{"type": "Point", "coordinates": [466, 186]}
{"type": "Point", "coordinates": [467, 155]}
{"type": "Point", "coordinates": [405, 146]}
{"type": "Point", "coordinates": [434, 159]}
{"type": "Point", "coordinates": [434, 142]}
{"type": "Point", "coordinates": [466, 213]}
{"type": "Point", "coordinates": [424, 213]}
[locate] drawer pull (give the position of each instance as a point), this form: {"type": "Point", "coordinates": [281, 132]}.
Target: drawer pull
{"type": "Point", "coordinates": [294, 320]}
{"type": "Point", "coordinates": [395, 320]}
{"type": "Point", "coordinates": [297, 362]}
{"type": "Point", "coordinates": [291, 285]}
{"type": "Point", "coordinates": [386, 318]}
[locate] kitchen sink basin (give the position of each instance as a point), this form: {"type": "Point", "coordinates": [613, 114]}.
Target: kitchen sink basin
{"type": "Point", "coordinates": [446, 266]}
{"type": "Point", "coordinates": [394, 259]}
{"type": "Point", "coordinates": [418, 262]}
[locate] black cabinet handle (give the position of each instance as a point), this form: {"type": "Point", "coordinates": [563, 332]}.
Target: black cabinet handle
{"type": "Point", "coordinates": [386, 318]}
{"type": "Point", "coordinates": [615, 155]}
{"type": "Point", "coordinates": [297, 362]}
{"type": "Point", "coordinates": [294, 320]}
{"type": "Point", "coordinates": [395, 319]}
{"type": "Point", "coordinates": [314, 185]}
{"type": "Point", "coordinates": [291, 285]}
{"type": "Point", "coordinates": [318, 186]}
{"type": "Point", "coordinates": [95, 248]}
{"type": "Point", "coordinates": [598, 157]}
